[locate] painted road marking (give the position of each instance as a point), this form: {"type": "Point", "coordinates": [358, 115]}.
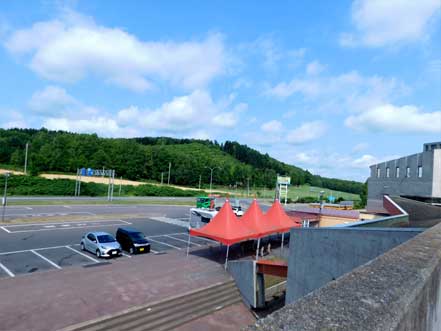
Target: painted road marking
{"type": "Point", "coordinates": [52, 214]}
{"type": "Point", "coordinates": [125, 254]}
{"type": "Point", "coordinates": [46, 259]}
{"type": "Point", "coordinates": [81, 253]}
{"type": "Point", "coordinates": [169, 234]}
{"type": "Point", "coordinates": [68, 207]}
{"type": "Point", "coordinates": [9, 272]}
{"type": "Point", "coordinates": [62, 225]}
{"type": "Point", "coordinates": [35, 249]}
{"type": "Point", "coordinates": [1, 227]}
{"type": "Point", "coordinates": [163, 243]}
{"type": "Point", "coordinates": [28, 208]}
{"type": "Point", "coordinates": [186, 241]}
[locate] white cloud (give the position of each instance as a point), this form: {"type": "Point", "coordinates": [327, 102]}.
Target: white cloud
{"type": "Point", "coordinates": [273, 126]}
{"type": "Point", "coordinates": [226, 120]}
{"type": "Point", "coordinates": [67, 50]}
{"type": "Point", "coordinates": [382, 23]}
{"type": "Point", "coordinates": [364, 161]}
{"type": "Point", "coordinates": [396, 119]}
{"type": "Point", "coordinates": [360, 147]}
{"type": "Point", "coordinates": [306, 132]}
{"type": "Point", "coordinates": [51, 100]}
{"type": "Point", "coordinates": [314, 68]}
{"type": "Point", "coordinates": [12, 119]}
{"type": "Point", "coordinates": [348, 91]}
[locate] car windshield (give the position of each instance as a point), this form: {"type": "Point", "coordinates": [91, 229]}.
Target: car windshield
{"type": "Point", "coordinates": [106, 238]}
{"type": "Point", "coordinates": [136, 235]}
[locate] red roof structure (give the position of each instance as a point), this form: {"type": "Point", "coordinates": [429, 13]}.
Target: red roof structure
{"type": "Point", "coordinates": [225, 228]}
{"type": "Point", "coordinates": [255, 219]}
{"type": "Point", "coordinates": [276, 215]}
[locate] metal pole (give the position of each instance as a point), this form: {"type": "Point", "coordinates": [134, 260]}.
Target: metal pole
{"type": "Point", "coordinates": [112, 184]}
{"type": "Point", "coordinates": [169, 169]}
{"type": "Point", "coordinates": [248, 192]}
{"type": "Point", "coordinates": [79, 185]}
{"type": "Point", "coordinates": [226, 257]}
{"type": "Point", "coordinates": [283, 239]}
{"type": "Point", "coordinates": [120, 181]}
{"type": "Point", "coordinates": [211, 178]}
{"type": "Point", "coordinates": [162, 178]}
{"type": "Point", "coordinates": [4, 196]}
{"type": "Point", "coordinates": [200, 179]}
{"type": "Point", "coordinates": [108, 189]}
{"type": "Point", "coordinates": [26, 159]}
{"type": "Point", "coordinates": [257, 251]}
{"type": "Point", "coordinates": [76, 184]}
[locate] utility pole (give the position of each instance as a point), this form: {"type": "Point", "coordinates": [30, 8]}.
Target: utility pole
{"type": "Point", "coordinates": [26, 159]}
{"type": "Point", "coordinates": [169, 169]}
{"type": "Point", "coordinates": [4, 196]}
{"type": "Point", "coordinates": [120, 181]}
{"type": "Point", "coordinates": [211, 175]}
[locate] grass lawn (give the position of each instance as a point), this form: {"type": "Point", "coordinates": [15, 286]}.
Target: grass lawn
{"type": "Point", "coordinates": [101, 202]}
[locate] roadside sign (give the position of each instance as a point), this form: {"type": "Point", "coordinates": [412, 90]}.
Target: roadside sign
{"type": "Point", "coordinates": [283, 180]}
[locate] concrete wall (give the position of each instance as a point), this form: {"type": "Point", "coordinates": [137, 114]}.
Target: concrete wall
{"type": "Point", "coordinates": [436, 186]}
{"type": "Point", "coordinates": [319, 255]}
{"type": "Point", "coordinates": [399, 290]}
{"type": "Point", "coordinates": [420, 214]}
{"type": "Point", "coordinates": [244, 274]}
{"type": "Point", "coordinates": [403, 185]}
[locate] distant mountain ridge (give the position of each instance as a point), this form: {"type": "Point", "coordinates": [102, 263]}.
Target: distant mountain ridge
{"type": "Point", "coordinates": [149, 158]}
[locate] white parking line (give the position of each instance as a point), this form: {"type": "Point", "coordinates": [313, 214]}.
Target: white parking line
{"type": "Point", "coordinates": [46, 259]}
{"type": "Point", "coordinates": [162, 243]}
{"type": "Point", "coordinates": [81, 253]}
{"type": "Point", "coordinates": [9, 272]}
{"type": "Point", "coordinates": [1, 227]}
{"type": "Point", "coordinates": [53, 214]}
{"type": "Point", "coordinates": [169, 234]}
{"type": "Point", "coordinates": [28, 208]}
{"type": "Point", "coordinates": [63, 226]}
{"type": "Point", "coordinates": [126, 255]}
{"type": "Point", "coordinates": [49, 226]}
{"type": "Point", "coordinates": [68, 207]}
{"type": "Point", "coordinates": [186, 241]}
{"type": "Point", "coordinates": [35, 249]}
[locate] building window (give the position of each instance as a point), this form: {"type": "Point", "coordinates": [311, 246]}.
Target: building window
{"type": "Point", "coordinates": [420, 171]}
{"type": "Point", "coordinates": [397, 172]}
{"type": "Point", "coordinates": [378, 172]}
{"type": "Point", "coordinates": [387, 172]}
{"type": "Point", "coordinates": [407, 172]}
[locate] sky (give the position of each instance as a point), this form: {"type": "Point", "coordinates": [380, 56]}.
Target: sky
{"type": "Point", "coordinates": [329, 86]}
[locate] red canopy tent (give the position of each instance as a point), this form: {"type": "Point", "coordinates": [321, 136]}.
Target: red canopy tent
{"type": "Point", "coordinates": [277, 216]}
{"type": "Point", "coordinates": [224, 228]}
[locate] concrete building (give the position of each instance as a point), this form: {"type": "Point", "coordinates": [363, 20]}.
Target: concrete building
{"type": "Point", "coordinates": [416, 176]}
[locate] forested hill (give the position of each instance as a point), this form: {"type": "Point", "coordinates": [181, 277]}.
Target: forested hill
{"type": "Point", "coordinates": [147, 158]}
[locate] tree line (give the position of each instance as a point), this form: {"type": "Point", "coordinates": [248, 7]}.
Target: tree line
{"type": "Point", "coordinates": [148, 158]}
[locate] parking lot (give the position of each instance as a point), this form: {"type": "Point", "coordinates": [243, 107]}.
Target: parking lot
{"type": "Point", "coordinates": [47, 246]}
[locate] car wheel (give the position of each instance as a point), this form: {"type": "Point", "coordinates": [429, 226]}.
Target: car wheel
{"type": "Point", "coordinates": [98, 253]}
{"type": "Point", "coordinates": [131, 250]}
{"type": "Point", "coordinates": [82, 247]}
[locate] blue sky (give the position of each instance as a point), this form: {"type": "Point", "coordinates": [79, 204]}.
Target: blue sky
{"type": "Point", "coordinates": [330, 86]}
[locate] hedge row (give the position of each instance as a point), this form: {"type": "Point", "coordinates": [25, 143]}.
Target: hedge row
{"type": "Point", "coordinates": [31, 185]}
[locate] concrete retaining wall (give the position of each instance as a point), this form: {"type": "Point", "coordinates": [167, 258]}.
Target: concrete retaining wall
{"type": "Point", "coordinates": [244, 274]}
{"type": "Point", "coordinates": [320, 255]}
{"type": "Point", "coordinates": [398, 290]}
{"type": "Point", "coordinates": [420, 214]}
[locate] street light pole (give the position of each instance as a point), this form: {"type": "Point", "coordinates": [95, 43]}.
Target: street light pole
{"type": "Point", "coordinates": [26, 159]}
{"type": "Point", "coordinates": [211, 175]}
{"type": "Point", "coordinates": [4, 196]}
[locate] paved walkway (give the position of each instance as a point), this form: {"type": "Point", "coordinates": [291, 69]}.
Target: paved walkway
{"type": "Point", "coordinates": [53, 300]}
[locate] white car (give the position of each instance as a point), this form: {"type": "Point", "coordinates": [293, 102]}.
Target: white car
{"type": "Point", "coordinates": [102, 244]}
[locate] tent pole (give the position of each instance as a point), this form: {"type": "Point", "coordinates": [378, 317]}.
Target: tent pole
{"type": "Point", "coordinates": [226, 257]}
{"type": "Point", "coordinates": [257, 251]}
{"type": "Point", "coordinates": [188, 242]}
{"type": "Point", "coordinates": [283, 239]}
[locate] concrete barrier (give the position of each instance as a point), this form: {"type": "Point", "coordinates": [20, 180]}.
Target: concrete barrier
{"type": "Point", "coordinates": [244, 274]}
{"type": "Point", "coordinates": [320, 255]}
{"type": "Point", "coordinates": [398, 290]}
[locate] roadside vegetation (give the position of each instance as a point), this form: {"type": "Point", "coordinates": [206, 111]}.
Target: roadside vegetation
{"type": "Point", "coordinates": [148, 159]}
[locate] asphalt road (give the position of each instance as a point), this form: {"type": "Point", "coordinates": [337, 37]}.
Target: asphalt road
{"type": "Point", "coordinates": [32, 247]}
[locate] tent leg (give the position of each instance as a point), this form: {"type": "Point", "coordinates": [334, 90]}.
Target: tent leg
{"type": "Point", "coordinates": [283, 239]}
{"type": "Point", "coordinates": [226, 257]}
{"type": "Point", "coordinates": [188, 243]}
{"type": "Point", "coordinates": [257, 251]}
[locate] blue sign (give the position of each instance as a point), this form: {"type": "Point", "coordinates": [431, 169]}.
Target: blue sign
{"type": "Point", "coordinates": [331, 199]}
